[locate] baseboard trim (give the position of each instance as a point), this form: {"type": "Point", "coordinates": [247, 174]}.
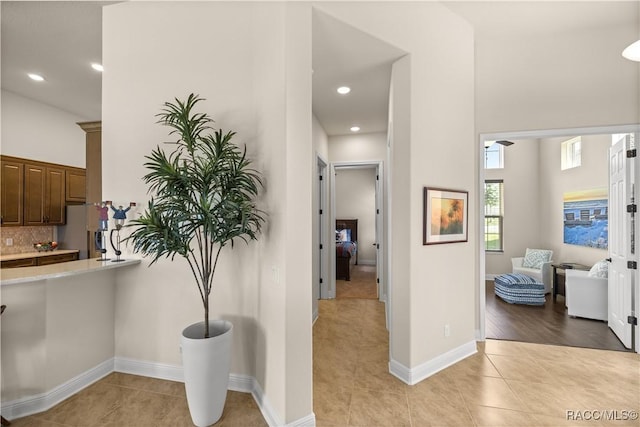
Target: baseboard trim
{"type": "Point", "coordinates": [413, 376]}
{"type": "Point", "coordinates": [490, 276]}
{"type": "Point", "coordinates": [366, 262]}
{"type": "Point", "coordinates": [237, 382]}
{"type": "Point", "coordinates": [44, 401]}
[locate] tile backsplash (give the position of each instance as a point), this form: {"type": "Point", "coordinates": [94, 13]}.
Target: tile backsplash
{"type": "Point", "coordinates": [24, 238]}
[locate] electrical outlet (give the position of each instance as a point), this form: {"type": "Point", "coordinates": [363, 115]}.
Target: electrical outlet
{"type": "Point", "coordinates": [275, 273]}
{"type": "Point", "coordinates": [9, 241]}
{"type": "Point", "coordinates": [447, 330]}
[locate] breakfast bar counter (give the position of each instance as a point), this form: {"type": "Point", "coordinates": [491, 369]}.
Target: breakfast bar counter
{"type": "Point", "coordinates": [14, 276]}
{"type": "Point", "coordinates": [57, 331]}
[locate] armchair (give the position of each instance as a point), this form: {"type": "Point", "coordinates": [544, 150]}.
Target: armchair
{"type": "Point", "coordinates": [587, 296]}
{"type": "Point", "coordinates": [542, 274]}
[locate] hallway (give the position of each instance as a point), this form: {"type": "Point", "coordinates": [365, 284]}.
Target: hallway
{"type": "Point", "coordinates": [504, 384]}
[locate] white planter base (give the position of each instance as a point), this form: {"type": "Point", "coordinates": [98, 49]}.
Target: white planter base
{"type": "Point", "coordinates": [206, 365]}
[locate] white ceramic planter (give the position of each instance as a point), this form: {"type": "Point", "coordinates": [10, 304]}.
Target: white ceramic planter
{"type": "Point", "coordinates": [206, 364]}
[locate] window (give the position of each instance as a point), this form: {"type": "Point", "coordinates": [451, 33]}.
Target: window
{"type": "Point", "coordinates": [493, 155]}
{"type": "Point", "coordinates": [571, 155]}
{"type": "Point", "coordinates": [493, 215]}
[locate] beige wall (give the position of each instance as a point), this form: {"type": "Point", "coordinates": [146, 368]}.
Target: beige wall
{"type": "Point", "coordinates": [371, 147]}
{"type": "Point", "coordinates": [593, 173]}
{"type": "Point", "coordinates": [522, 204]}
{"type": "Point", "coordinates": [36, 131]}
{"type": "Point", "coordinates": [240, 68]}
{"type": "Point", "coordinates": [554, 81]}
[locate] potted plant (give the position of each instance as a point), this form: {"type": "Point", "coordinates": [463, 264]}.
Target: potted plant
{"type": "Point", "coordinates": [204, 199]}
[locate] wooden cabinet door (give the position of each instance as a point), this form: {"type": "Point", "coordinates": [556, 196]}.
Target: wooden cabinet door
{"type": "Point", "coordinates": [54, 196]}
{"type": "Point", "coordinates": [76, 185]}
{"type": "Point", "coordinates": [12, 194]}
{"type": "Point", "coordinates": [34, 189]}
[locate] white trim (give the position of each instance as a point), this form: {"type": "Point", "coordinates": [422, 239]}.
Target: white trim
{"type": "Point", "coordinates": [413, 376]}
{"type": "Point", "coordinates": [490, 276]}
{"type": "Point", "coordinates": [367, 262]}
{"type": "Point", "coordinates": [44, 401]}
{"type": "Point", "coordinates": [149, 369]}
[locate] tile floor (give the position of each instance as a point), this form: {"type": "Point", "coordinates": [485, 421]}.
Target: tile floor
{"type": "Point", "coordinates": [504, 384]}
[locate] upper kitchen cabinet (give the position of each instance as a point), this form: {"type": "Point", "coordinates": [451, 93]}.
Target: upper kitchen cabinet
{"type": "Point", "coordinates": [76, 185]}
{"type": "Point", "coordinates": [36, 193]}
{"type": "Point", "coordinates": [44, 194]}
{"type": "Point", "coordinates": [12, 189]}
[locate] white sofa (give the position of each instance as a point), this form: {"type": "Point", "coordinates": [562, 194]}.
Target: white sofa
{"type": "Point", "coordinates": [543, 275]}
{"type": "Point", "coordinates": [586, 296]}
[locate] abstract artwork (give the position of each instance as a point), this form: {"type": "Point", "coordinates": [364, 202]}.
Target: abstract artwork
{"type": "Point", "coordinates": [586, 221]}
{"type": "Point", "coordinates": [445, 216]}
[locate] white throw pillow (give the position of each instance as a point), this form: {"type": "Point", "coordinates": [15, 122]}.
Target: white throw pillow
{"type": "Point", "coordinates": [600, 269]}
{"type": "Point", "coordinates": [534, 258]}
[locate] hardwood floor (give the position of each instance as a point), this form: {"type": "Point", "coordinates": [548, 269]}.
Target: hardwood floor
{"type": "Point", "coordinates": [548, 324]}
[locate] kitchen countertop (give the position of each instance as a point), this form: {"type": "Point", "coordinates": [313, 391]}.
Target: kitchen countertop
{"type": "Point", "coordinates": [36, 254]}
{"type": "Point", "coordinates": [13, 276]}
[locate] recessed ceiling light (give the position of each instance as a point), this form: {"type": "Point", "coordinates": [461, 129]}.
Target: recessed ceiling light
{"type": "Point", "coordinates": [355, 128]}
{"type": "Point", "coordinates": [343, 90]}
{"type": "Point", "coordinates": [36, 77]}
{"type": "Point", "coordinates": [632, 52]}
{"type": "Point", "coordinates": [97, 67]}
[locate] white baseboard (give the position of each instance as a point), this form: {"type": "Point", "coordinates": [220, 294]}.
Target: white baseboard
{"type": "Point", "coordinates": [366, 262]}
{"type": "Point", "coordinates": [490, 276]}
{"type": "Point", "coordinates": [44, 401]}
{"type": "Point", "coordinates": [413, 376]}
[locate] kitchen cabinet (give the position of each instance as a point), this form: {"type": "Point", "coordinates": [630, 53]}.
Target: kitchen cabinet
{"type": "Point", "coordinates": [36, 193]}
{"type": "Point", "coordinates": [47, 258]}
{"type": "Point", "coordinates": [44, 194]}
{"type": "Point", "coordinates": [12, 189]}
{"type": "Point", "coordinates": [76, 185]}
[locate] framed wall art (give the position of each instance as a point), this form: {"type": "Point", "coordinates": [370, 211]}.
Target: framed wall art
{"type": "Point", "coordinates": [445, 216]}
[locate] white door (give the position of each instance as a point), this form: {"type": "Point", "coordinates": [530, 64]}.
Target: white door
{"type": "Point", "coordinates": [378, 223]}
{"type": "Point", "coordinates": [620, 277]}
{"type": "Point", "coordinates": [323, 280]}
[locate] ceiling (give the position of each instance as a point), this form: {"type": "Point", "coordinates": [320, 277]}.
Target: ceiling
{"type": "Point", "coordinates": [60, 39]}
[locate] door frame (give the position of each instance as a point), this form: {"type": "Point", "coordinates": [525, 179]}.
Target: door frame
{"type": "Point", "coordinates": [378, 165]}
{"type": "Point", "coordinates": [321, 177]}
{"type": "Point", "coordinates": [533, 134]}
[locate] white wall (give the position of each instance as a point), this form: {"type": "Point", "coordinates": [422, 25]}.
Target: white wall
{"type": "Point", "coordinates": [239, 55]}
{"type": "Point", "coordinates": [37, 131]}
{"type": "Point", "coordinates": [356, 199]}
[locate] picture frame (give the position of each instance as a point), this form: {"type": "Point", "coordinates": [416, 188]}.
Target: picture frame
{"type": "Point", "coordinates": [445, 216]}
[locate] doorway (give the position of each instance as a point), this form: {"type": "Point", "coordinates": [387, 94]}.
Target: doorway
{"type": "Point", "coordinates": [366, 205]}
{"type": "Point", "coordinates": [485, 256]}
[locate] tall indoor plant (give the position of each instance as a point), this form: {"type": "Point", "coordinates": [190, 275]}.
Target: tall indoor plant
{"type": "Point", "coordinates": [204, 198]}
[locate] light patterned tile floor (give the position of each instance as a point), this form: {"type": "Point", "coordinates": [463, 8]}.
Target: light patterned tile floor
{"type": "Point", "coordinates": [504, 384]}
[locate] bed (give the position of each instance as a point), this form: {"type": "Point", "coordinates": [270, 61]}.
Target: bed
{"type": "Point", "coordinates": [346, 247]}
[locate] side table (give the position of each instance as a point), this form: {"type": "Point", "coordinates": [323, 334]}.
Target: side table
{"type": "Point", "coordinates": [558, 270]}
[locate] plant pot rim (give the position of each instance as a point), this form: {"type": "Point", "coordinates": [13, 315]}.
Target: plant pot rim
{"type": "Point", "coordinates": [217, 327]}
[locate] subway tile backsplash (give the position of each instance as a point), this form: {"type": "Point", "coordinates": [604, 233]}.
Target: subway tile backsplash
{"type": "Point", "coordinates": [24, 238]}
